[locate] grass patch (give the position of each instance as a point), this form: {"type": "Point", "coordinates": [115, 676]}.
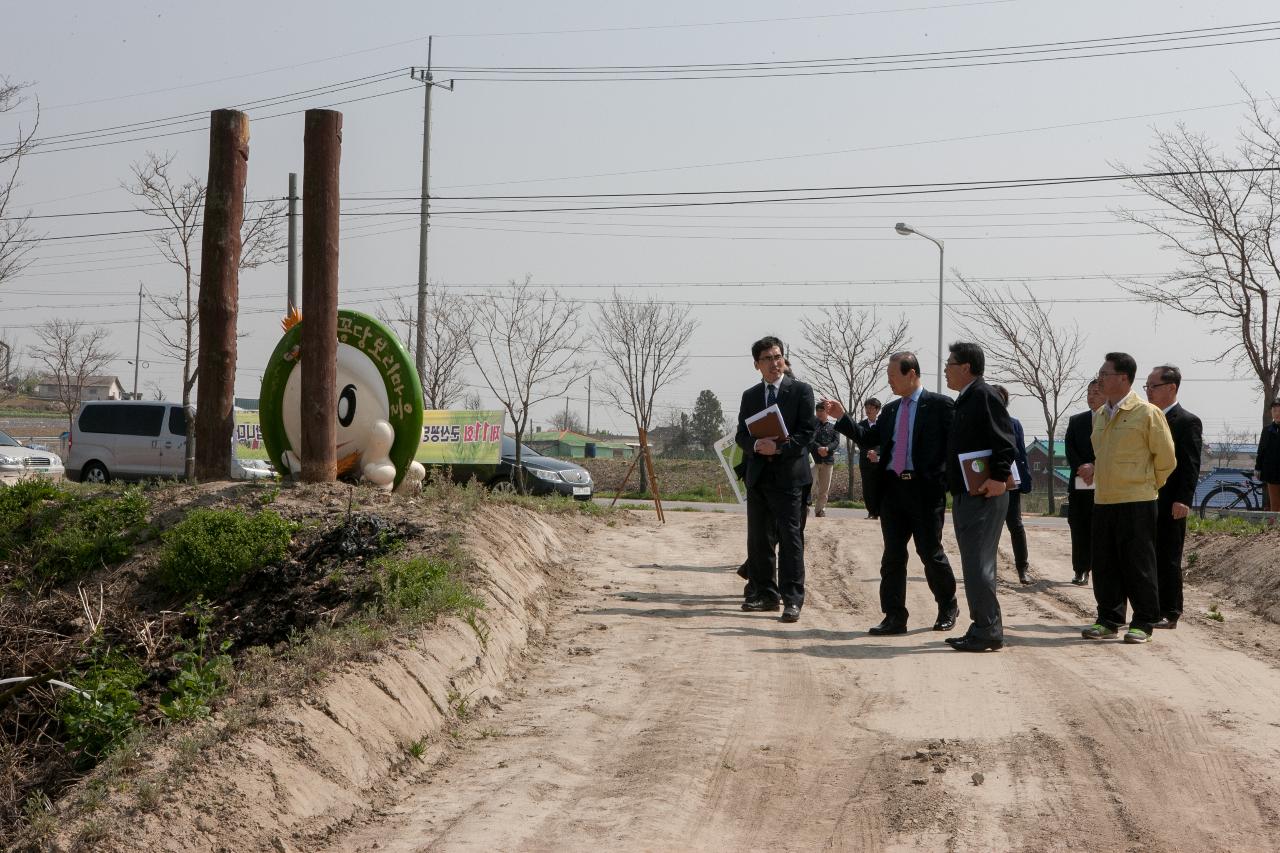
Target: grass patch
{"type": "Point", "coordinates": [421, 588]}
{"type": "Point", "coordinates": [211, 549]}
{"type": "Point", "coordinates": [1215, 614]}
{"type": "Point", "coordinates": [203, 670]}
{"type": "Point", "coordinates": [699, 494]}
{"type": "Point", "coordinates": [60, 535]}
{"type": "Point", "coordinates": [1233, 525]}
{"type": "Point", "coordinates": [99, 719]}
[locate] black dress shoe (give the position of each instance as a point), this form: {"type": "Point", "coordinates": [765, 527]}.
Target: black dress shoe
{"type": "Point", "coordinates": [946, 619]}
{"type": "Point", "coordinates": [1023, 577]}
{"type": "Point", "coordinates": [761, 605]}
{"type": "Point", "coordinates": [791, 613]}
{"type": "Point", "coordinates": [742, 571]}
{"type": "Point", "coordinates": [1167, 622]}
{"type": "Point", "coordinates": [974, 644]}
{"type": "Point", "coordinates": [1080, 579]}
{"type": "Point", "coordinates": [888, 626]}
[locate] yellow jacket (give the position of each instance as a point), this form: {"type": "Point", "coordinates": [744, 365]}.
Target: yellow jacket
{"type": "Point", "coordinates": [1133, 452]}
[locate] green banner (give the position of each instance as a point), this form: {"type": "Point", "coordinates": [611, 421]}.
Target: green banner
{"type": "Point", "coordinates": [247, 437]}
{"type": "Point", "coordinates": [459, 437]}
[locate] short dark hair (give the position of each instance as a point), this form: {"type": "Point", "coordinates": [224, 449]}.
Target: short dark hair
{"type": "Point", "coordinates": [1003, 392]}
{"type": "Point", "coordinates": [1171, 374]}
{"type": "Point", "coordinates": [872, 401]}
{"type": "Point", "coordinates": [767, 342]}
{"type": "Point", "coordinates": [1123, 363]}
{"type": "Point", "coordinates": [819, 406]}
{"type": "Point", "coordinates": [907, 362]}
{"type": "Point", "coordinates": [1276, 401]}
{"type": "Point", "coordinates": [967, 352]}
{"type": "Point", "coordinates": [1093, 382]}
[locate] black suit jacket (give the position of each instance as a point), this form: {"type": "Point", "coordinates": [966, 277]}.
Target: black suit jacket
{"type": "Point", "coordinates": [790, 465]}
{"type": "Point", "coordinates": [1187, 444]}
{"type": "Point", "coordinates": [928, 449]}
{"type": "Point", "coordinates": [1267, 462]}
{"type": "Point", "coordinates": [864, 427]}
{"type": "Point", "coordinates": [1079, 442]}
{"type": "Point", "coordinates": [981, 423]}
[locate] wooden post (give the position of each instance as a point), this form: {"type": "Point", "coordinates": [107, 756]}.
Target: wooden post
{"type": "Point", "coordinates": [653, 476]}
{"type": "Point", "coordinates": [220, 292]}
{"type": "Point", "coordinates": [322, 143]}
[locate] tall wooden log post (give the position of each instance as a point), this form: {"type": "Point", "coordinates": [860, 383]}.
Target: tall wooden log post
{"type": "Point", "coordinates": [322, 143]}
{"type": "Point", "coordinates": [220, 293]}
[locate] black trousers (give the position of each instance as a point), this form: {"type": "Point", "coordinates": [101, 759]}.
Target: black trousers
{"type": "Point", "coordinates": [871, 487]}
{"type": "Point", "coordinates": [1017, 533]}
{"type": "Point", "coordinates": [912, 510]}
{"type": "Point", "coordinates": [1080, 518]}
{"type": "Point", "coordinates": [776, 506]}
{"type": "Point", "coordinates": [1124, 564]}
{"type": "Point", "coordinates": [1171, 535]}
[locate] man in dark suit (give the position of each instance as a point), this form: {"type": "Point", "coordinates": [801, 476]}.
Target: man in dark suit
{"type": "Point", "coordinates": [912, 436]}
{"type": "Point", "coordinates": [1080, 500]}
{"type": "Point", "coordinates": [981, 423]}
{"type": "Point", "coordinates": [1266, 463]}
{"type": "Point", "coordinates": [1173, 503]}
{"type": "Point", "coordinates": [867, 456]}
{"type": "Point", "coordinates": [777, 477]}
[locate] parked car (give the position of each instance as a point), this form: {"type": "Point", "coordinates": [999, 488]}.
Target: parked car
{"type": "Point", "coordinates": [544, 475]}
{"type": "Point", "coordinates": [137, 440]}
{"type": "Point", "coordinates": [19, 462]}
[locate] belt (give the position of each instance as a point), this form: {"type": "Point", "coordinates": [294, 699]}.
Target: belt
{"type": "Point", "coordinates": [905, 475]}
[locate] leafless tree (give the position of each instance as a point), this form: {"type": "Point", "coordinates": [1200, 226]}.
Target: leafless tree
{"type": "Point", "coordinates": [528, 348]}
{"type": "Point", "coordinates": [1025, 347]}
{"type": "Point", "coordinates": [10, 367]}
{"type": "Point", "coordinates": [567, 420]}
{"type": "Point", "coordinates": [1224, 450]}
{"type": "Point", "coordinates": [180, 203]}
{"type": "Point", "coordinates": [845, 356]}
{"type": "Point", "coordinates": [16, 237]}
{"type": "Point", "coordinates": [1221, 216]}
{"type": "Point", "coordinates": [450, 323]}
{"type": "Point", "coordinates": [472, 402]}
{"type": "Point", "coordinates": [71, 353]}
{"type": "Point", "coordinates": [645, 346]}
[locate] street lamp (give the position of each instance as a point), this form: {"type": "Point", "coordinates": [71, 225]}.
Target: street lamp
{"type": "Point", "coordinates": [906, 230]}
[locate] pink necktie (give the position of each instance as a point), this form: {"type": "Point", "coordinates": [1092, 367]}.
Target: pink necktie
{"type": "Point", "coordinates": [902, 438]}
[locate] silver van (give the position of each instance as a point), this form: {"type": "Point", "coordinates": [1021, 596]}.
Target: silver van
{"type": "Point", "coordinates": [127, 440]}
{"type": "Point", "coordinates": [138, 440]}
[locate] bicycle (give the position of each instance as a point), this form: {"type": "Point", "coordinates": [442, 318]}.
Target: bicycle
{"type": "Point", "coordinates": [1244, 495]}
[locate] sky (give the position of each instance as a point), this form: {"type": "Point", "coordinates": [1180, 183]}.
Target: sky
{"type": "Point", "coordinates": [740, 271]}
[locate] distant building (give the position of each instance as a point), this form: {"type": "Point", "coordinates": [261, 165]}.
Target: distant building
{"type": "Point", "coordinates": [1041, 466]}
{"type": "Point", "coordinates": [1224, 454]}
{"type": "Point", "coordinates": [94, 388]}
{"type": "Point", "coordinates": [568, 444]}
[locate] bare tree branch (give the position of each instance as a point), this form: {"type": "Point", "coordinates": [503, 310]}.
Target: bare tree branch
{"type": "Point", "coordinates": [16, 237]}
{"type": "Point", "coordinates": [527, 347]}
{"type": "Point", "coordinates": [450, 325]}
{"type": "Point", "coordinates": [1225, 228]}
{"type": "Point", "coordinates": [1026, 348]}
{"type": "Point", "coordinates": [645, 346]}
{"type": "Point", "coordinates": [71, 354]}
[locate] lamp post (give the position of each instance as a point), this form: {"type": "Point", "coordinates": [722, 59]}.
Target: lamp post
{"type": "Point", "coordinates": [906, 230]}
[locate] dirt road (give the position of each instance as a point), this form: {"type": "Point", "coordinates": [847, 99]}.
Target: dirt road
{"type": "Point", "coordinates": [661, 717]}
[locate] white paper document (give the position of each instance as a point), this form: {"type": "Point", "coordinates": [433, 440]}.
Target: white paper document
{"type": "Point", "coordinates": [773, 416]}
{"type": "Point", "coordinates": [1082, 485]}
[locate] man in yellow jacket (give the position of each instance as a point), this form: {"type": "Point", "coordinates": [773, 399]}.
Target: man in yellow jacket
{"type": "Point", "coordinates": [1133, 452]}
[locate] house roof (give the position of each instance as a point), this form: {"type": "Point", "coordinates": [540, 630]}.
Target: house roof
{"type": "Point", "coordinates": [1059, 447]}
{"type": "Point", "coordinates": [571, 438]}
{"type": "Point", "coordinates": [89, 381]}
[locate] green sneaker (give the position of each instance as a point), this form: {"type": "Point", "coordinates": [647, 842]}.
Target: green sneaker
{"type": "Point", "coordinates": [1136, 635]}
{"type": "Point", "coordinates": [1098, 631]}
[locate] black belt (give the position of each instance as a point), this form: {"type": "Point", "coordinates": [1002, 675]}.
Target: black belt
{"type": "Point", "coordinates": [905, 475]}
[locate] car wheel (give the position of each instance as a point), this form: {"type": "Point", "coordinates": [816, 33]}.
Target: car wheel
{"type": "Point", "coordinates": [95, 472]}
{"type": "Point", "coordinates": [505, 487]}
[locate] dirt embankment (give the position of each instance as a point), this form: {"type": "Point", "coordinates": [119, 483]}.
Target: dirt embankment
{"type": "Point", "coordinates": [1243, 569]}
{"type": "Point", "coordinates": [309, 764]}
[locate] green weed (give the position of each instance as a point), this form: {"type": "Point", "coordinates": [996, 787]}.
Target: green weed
{"type": "Point", "coordinates": [420, 587]}
{"type": "Point", "coordinates": [1233, 525]}
{"type": "Point", "coordinates": [203, 670]}
{"type": "Point", "coordinates": [473, 620]}
{"type": "Point", "coordinates": [418, 748]}
{"type": "Point", "coordinates": [99, 719]}
{"type": "Point", "coordinates": [211, 549]}
{"type": "Point", "coordinates": [1215, 614]}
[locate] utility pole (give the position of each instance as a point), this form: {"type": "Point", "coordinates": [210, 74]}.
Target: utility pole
{"type": "Point", "coordinates": [137, 346]}
{"type": "Point", "coordinates": [423, 75]}
{"type": "Point", "coordinates": [565, 425]}
{"type": "Point", "coordinates": [588, 404]}
{"type": "Point", "coordinates": [292, 297]}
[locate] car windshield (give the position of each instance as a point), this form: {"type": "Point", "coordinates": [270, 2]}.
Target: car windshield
{"type": "Point", "coordinates": [509, 448]}
{"type": "Point", "coordinates": [7, 440]}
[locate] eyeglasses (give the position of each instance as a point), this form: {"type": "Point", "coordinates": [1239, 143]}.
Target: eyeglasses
{"type": "Point", "coordinates": [1157, 385]}
{"type": "Point", "coordinates": [950, 363]}
{"type": "Point", "coordinates": [772, 358]}
{"type": "Point", "coordinates": [1104, 373]}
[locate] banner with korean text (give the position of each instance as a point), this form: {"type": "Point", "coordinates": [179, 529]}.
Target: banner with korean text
{"type": "Point", "coordinates": [461, 437]}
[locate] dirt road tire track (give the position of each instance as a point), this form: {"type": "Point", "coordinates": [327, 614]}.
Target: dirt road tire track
{"type": "Point", "coordinates": [661, 717]}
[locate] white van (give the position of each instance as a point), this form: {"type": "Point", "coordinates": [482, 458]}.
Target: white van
{"type": "Point", "coordinates": [135, 440]}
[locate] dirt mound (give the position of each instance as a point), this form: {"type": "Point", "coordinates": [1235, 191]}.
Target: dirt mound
{"type": "Point", "coordinates": [307, 764]}
{"type": "Point", "coordinates": [1241, 568]}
